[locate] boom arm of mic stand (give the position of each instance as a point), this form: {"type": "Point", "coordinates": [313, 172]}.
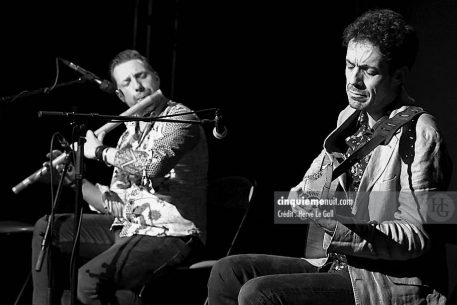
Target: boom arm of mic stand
{"type": "Point", "coordinates": [26, 93]}
{"type": "Point", "coordinates": [116, 118]}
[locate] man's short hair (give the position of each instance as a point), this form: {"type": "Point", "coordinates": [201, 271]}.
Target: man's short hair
{"type": "Point", "coordinates": [127, 55]}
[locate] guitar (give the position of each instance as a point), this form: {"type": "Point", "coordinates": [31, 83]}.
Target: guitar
{"type": "Point", "coordinates": [313, 188]}
{"type": "Point", "coordinates": [317, 182]}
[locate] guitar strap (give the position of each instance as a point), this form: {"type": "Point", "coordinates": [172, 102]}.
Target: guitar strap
{"type": "Point", "coordinates": [382, 135]}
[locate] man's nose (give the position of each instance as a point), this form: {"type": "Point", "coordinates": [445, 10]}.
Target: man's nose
{"type": "Point", "coordinates": [138, 86]}
{"type": "Point", "coordinates": [355, 77]}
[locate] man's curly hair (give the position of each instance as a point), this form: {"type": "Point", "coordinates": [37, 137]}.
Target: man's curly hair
{"type": "Point", "coordinates": [387, 30]}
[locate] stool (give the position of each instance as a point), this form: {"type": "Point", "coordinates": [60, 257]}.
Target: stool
{"type": "Point", "coordinates": [15, 229]}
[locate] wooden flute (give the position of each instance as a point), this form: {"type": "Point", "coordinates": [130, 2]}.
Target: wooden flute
{"type": "Point", "coordinates": [140, 106]}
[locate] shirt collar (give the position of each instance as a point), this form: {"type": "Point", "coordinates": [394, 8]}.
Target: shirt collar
{"type": "Point", "coordinates": [156, 108]}
{"type": "Point", "coordinates": [365, 121]}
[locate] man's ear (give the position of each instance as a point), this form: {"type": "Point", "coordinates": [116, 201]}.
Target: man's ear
{"type": "Point", "coordinates": [156, 75]}
{"type": "Point", "coordinates": [120, 95]}
{"type": "Point", "coordinates": [400, 75]}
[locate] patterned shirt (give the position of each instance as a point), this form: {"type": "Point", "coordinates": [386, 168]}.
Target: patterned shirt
{"type": "Point", "coordinates": [363, 134]}
{"type": "Point", "coordinates": [160, 175]}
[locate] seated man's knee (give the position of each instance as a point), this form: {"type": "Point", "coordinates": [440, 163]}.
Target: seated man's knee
{"type": "Point", "coordinates": [40, 226]}
{"type": "Point", "coordinates": [228, 266]}
{"type": "Point", "coordinates": [87, 287]}
{"type": "Point", "coordinates": [93, 289]}
{"type": "Point", "coordinates": [228, 270]}
{"type": "Point", "coordinates": [256, 291]}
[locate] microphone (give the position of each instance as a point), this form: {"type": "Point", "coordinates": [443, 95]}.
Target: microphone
{"type": "Point", "coordinates": [104, 84]}
{"type": "Point", "coordinates": [219, 130]}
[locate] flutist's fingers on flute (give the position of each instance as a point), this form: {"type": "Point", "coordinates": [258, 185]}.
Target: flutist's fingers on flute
{"type": "Point", "coordinates": [92, 142]}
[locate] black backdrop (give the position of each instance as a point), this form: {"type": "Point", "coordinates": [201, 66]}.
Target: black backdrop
{"type": "Point", "coordinates": [276, 70]}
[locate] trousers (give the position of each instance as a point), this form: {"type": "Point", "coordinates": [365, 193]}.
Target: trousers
{"type": "Point", "coordinates": [111, 270]}
{"type": "Point", "coordinates": [269, 279]}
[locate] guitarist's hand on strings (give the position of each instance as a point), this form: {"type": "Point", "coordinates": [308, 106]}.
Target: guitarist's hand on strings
{"type": "Point", "coordinates": [311, 198]}
{"type": "Point", "coordinates": [309, 208]}
{"type": "Point", "coordinates": [303, 205]}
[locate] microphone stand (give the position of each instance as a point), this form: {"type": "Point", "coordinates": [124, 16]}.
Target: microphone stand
{"type": "Point", "coordinates": [26, 93]}
{"type": "Point", "coordinates": [79, 170]}
{"type": "Point", "coordinates": [45, 241]}
{"type": "Point", "coordinates": [78, 211]}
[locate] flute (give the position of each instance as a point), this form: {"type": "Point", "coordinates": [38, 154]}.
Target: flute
{"type": "Point", "coordinates": [105, 128]}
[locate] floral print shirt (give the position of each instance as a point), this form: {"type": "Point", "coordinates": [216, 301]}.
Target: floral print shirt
{"type": "Point", "coordinates": [160, 175]}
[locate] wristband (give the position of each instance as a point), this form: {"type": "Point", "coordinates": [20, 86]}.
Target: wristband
{"type": "Point", "coordinates": [99, 152]}
{"type": "Point", "coordinates": [104, 156]}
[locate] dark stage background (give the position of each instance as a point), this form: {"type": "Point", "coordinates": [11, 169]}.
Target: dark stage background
{"type": "Point", "coordinates": [276, 70]}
